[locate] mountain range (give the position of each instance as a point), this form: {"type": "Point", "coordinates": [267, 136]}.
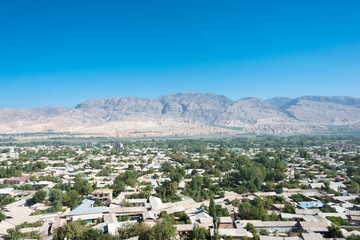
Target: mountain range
{"type": "Point", "coordinates": [185, 114]}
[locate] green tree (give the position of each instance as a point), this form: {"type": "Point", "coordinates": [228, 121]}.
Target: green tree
{"type": "Point", "coordinates": [216, 219]}
{"type": "Point", "coordinates": [221, 211]}
{"type": "Point", "coordinates": [72, 199]}
{"type": "Point", "coordinates": [289, 208]}
{"type": "Point", "coordinates": [263, 232]}
{"type": "Point", "coordinates": [13, 234]}
{"type": "Point", "coordinates": [98, 203]}
{"type": "Point", "coordinates": [339, 221]}
{"type": "Point", "coordinates": [163, 230]}
{"type": "Point", "coordinates": [353, 237]}
{"type": "Point", "coordinates": [118, 187]}
{"type": "Point", "coordinates": [72, 230]}
{"type": "Point", "coordinates": [250, 227]}
{"type": "Point", "coordinates": [32, 178]}
{"type": "Point", "coordinates": [200, 233]}
{"type": "Point", "coordinates": [326, 186]}
{"type": "Point", "coordinates": [212, 207]}
{"type": "Point", "coordinates": [124, 218]}
{"type": "Point", "coordinates": [95, 234]}
{"type": "Point", "coordinates": [354, 187]}
{"type": "Point", "coordinates": [167, 191]}
{"type": "Point", "coordinates": [328, 209]}
{"type": "Point", "coordinates": [56, 198]}
{"type": "Point", "coordinates": [252, 211]}
{"type": "Point", "coordinates": [335, 231]}
{"type": "Point", "coordinates": [81, 185]}
{"type": "Point", "coordinates": [129, 230]}
{"type": "Point", "coordinates": [216, 224]}
{"type": "Point", "coordinates": [5, 200]}
{"type": "Point", "coordinates": [125, 203]}
{"type": "Point", "coordinates": [2, 216]}
{"type": "Point", "coordinates": [39, 196]}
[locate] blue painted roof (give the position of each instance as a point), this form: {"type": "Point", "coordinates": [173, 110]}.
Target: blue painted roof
{"type": "Point", "coordinates": [311, 204]}
{"type": "Point", "coordinates": [86, 207]}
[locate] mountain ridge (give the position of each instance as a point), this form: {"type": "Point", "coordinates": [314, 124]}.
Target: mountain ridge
{"type": "Point", "coordinates": [189, 113]}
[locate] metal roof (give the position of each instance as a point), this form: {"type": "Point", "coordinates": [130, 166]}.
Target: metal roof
{"type": "Point", "coordinates": [86, 207]}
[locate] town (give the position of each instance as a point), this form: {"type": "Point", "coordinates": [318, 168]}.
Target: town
{"type": "Point", "coordinates": [267, 188]}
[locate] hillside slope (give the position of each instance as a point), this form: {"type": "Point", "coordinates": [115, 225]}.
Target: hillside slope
{"type": "Point", "coordinates": [189, 114]}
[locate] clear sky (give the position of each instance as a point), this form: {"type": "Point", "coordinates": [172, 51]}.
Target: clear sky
{"type": "Point", "coordinates": [62, 52]}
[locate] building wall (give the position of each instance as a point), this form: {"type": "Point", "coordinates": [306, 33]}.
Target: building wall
{"type": "Point", "coordinates": [87, 216]}
{"type": "Point", "coordinates": [278, 229]}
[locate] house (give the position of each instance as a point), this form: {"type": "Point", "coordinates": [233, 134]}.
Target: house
{"type": "Point", "coordinates": [265, 194]}
{"type": "Point", "coordinates": [226, 222]}
{"type": "Point", "coordinates": [148, 216]}
{"type": "Point", "coordinates": [279, 238]}
{"type": "Point", "coordinates": [137, 202]}
{"type": "Point", "coordinates": [185, 230]}
{"type": "Point", "coordinates": [110, 218]}
{"type": "Point", "coordinates": [196, 215]}
{"type": "Point", "coordinates": [270, 226]}
{"type": "Point", "coordinates": [19, 180]}
{"type": "Point", "coordinates": [235, 233]}
{"type": "Point", "coordinates": [86, 211]}
{"type": "Point", "coordinates": [339, 179]}
{"type": "Point", "coordinates": [133, 212]}
{"type": "Point", "coordinates": [44, 184]}
{"type": "Point", "coordinates": [278, 207]}
{"type": "Point", "coordinates": [103, 194]}
{"type": "Point", "coordinates": [7, 191]}
{"type": "Point", "coordinates": [343, 199]}
{"type": "Point", "coordinates": [354, 216]}
{"type": "Point", "coordinates": [156, 203]}
{"type": "Point", "coordinates": [316, 227]}
{"type": "Point", "coordinates": [111, 228]}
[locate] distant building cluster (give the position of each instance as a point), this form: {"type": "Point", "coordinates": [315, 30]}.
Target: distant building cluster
{"type": "Point", "coordinates": [339, 146]}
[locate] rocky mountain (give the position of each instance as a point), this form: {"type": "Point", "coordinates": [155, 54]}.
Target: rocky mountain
{"type": "Point", "coordinates": [189, 114]}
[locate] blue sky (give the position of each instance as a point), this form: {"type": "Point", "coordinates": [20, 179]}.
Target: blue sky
{"type": "Point", "coordinates": [64, 52]}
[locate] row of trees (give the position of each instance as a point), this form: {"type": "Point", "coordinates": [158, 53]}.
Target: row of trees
{"type": "Point", "coordinates": [78, 230]}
